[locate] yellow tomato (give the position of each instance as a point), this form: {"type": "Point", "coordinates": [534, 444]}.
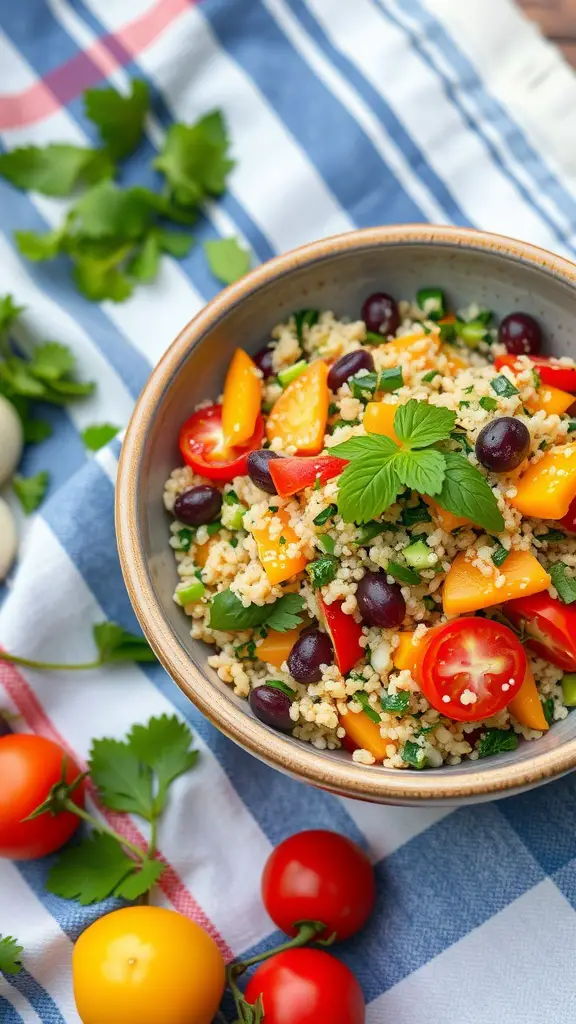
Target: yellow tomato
{"type": "Point", "coordinates": [147, 965]}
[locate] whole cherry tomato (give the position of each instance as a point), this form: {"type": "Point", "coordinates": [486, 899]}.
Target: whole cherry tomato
{"type": "Point", "coordinates": [319, 876]}
{"type": "Point", "coordinates": [29, 767]}
{"type": "Point", "coordinates": [203, 447]}
{"type": "Point", "coordinates": [550, 625]}
{"type": "Point", "coordinates": [306, 986]}
{"type": "Point", "coordinates": [472, 668]}
{"type": "Point", "coordinates": [147, 965]}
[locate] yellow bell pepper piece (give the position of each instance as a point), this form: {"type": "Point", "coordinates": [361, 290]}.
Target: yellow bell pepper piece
{"type": "Point", "coordinates": [365, 733]}
{"type": "Point", "coordinates": [526, 706]}
{"type": "Point", "coordinates": [467, 590]}
{"type": "Point", "coordinates": [552, 400]}
{"type": "Point", "coordinates": [379, 419]}
{"type": "Point", "coordinates": [272, 553]}
{"type": "Point", "coordinates": [242, 399]}
{"type": "Point", "coordinates": [299, 415]}
{"type": "Point", "coordinates": [408, 654]}
{"type": "Point", "coordinates": [276, 647]}
{"type": "Point", "coordinates": [547, 488]}
{"type": "Point", "coordinates": [445, 519]}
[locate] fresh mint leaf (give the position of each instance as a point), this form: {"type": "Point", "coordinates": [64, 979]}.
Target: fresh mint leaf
{"type": "Point", "coordinates": [227, 260]}
{"type": "Point", "coordinates": [361, 698]}
{"type": "Point", "coordinates": [495, 741]}
{"type": "Point", "coordinates": [370, 483]}
{"type": "Point", "coordinates": [194, 160]}
{"type": "Point", "coordinates": [54, 170]}
{"type": "Point", "coordinates": [116, 644]}
{"type": "Point", "coordinates": [423, 470]}
{"type": "Point", "coordinates": [98, 435]}
{"type": "Point", "coordinates": [91, 871]}
{"type": "Point", "coordinates": [124, 782]}
{"type": "Point", "coordinates": [419, 424]}
{"type": "Point", "coordinates": [165, 745]}
{"type": "Point", "coordinates": [322, 571]}
{"type": "Point", "coordinates": [564, 583]}
{"type": "Point", "coordinates": [284, 614]}
{"type": "Point", "coordinates": [227, 613]}
{"type": "Point", "coordinates": [119, 119]}
{"type": "Point", "coordinates": [10, 955]}
{"type": "Point", "coordinates": [30, 490]}
{"type": "Point", "coordinates": [396, 703]}
{"type": "Point", "coordinates": [466, 492]}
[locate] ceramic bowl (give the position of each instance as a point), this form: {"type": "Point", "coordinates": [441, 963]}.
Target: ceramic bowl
{"type": "Point", "coordinates": [337, 274]}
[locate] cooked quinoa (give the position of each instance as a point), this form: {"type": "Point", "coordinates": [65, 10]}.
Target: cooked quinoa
{"type": "Point", "coordinates": [445, 366]}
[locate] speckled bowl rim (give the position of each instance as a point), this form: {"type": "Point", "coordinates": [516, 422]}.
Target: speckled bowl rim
{"type": "Point", "coordinates": [299, 759]}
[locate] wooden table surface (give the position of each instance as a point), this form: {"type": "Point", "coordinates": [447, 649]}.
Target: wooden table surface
{"type": "Point", "coordinates": [557, 19]}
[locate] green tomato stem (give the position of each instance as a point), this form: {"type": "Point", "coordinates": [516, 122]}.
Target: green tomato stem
{"type": "Point", "coordinates": [14, 659]}
{"type": "Point", "coordinates": [308, 931]}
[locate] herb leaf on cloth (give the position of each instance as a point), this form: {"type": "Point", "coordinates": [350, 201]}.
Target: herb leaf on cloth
{"type": "Point", "coordinates": [195, 161]}
{"type": "Point", "coordinates": [118, 118]}
{"type": "Point", "coordinates": [98, 435]}
{"type": "Point", "coordinates": [124, 782]}
{"type": "Point", "coordinates": [164, 745]}
{"type": "Point", "coordinates": [54, 170]}
{"type": "Point", "coordinates": [116, 644]}
{"type": "Point", "coordinates": [91, 871]}
{"type": "Point", "coordinates": [10, 955]}
{"type": "Point", "coordinates": [30, 490]}
{"type": "Point", "coordinates": [228, 261]}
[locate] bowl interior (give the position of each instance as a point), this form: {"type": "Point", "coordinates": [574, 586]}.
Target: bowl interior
{"type": "Point", "coordinates": [494, 276]}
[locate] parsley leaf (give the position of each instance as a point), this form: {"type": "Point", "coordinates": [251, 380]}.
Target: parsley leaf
{"type": "Point", "coordinates": [9, 313]}
{"type": "Point", "coordinates": [38, 247]}
{"type": "Point", "coordinates": [396, 703]}
{"type": "Point", "coordinates": [228, 261]}
{"type": "Point", "coordinates": [495, 741]}
{"type": "Point", "coordinates": [124, 783]}
{"type": "Point", "coordinates": [10, 953]}
{"type": "Point", "coordinates": [174, 243]}
{"type": "Point", "coordinates": [164, 745]}
{"type": "Point", "coordinates": [503, 387]}
{"type": "Point", "coordinates": [194, 160]}
{"type": "Point", "coordinates": [119, 119]}
{"type": "Point", "coordinates": [369, 484]}
{"type": "Point", "coordinates": [229, 614]}
{"type": "Point", "coordinates": [146, 261]}
{"type": "Point", "coordinates": [322, 571]}
{"type": "Point", "coordinates": [98, 435]}
{"type": "Point", "coordinates": [51, 361]}
{"type": "Point", "coordinates": [413, 754]}
{"type": "Point", "coordinates": [548, 709]}
{"type": "Point", "coordinates": [93, 870]}
{"type": "Point", "coordinates": [116, 644]}
{"type": "Point", "coordinates": [418, 424]}
{"type": "Point", "coordinates": [140, 880]}
{"type": "Point", "coordinates": [361, 698]}
{"type": "Point", "coordinates": [30, 490]}
{"type": "Point", "coordinates": [466, 492]}
{"type": "Point", "coordinates": [422, 470]}
{"type": "Point", "coordinates": [564, 583]}
{"type": "Point", "coordinates": [489, 404]}
{"type": "Point", "coordinates": [54, 170]}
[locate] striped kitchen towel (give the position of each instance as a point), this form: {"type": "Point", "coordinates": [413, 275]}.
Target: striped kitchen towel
{"type": "Point", "coordinates": [342, 115]}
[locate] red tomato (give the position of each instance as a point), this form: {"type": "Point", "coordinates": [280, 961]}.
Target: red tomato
{"type": "Point", "coordinates": [202, 446]}
{"type": "Point", "coordinates": [294, 474]}
{"type": "Point", "coordinates": [29, 767]}
{"type": "Point", "coordinates": [307, 986]}
{"type": "Point", "coordinates": [319, 876]}
{"type": "Point", "coordinates": [472, 657]}
{"type": "Point", "coordinates": [551, 624]}
{"type": "Point", "coordinates": [551, 371]}
{"type": "Point", "coordinates": [569, 520]}
{"type": "Point", "coordinates": [345, 635]}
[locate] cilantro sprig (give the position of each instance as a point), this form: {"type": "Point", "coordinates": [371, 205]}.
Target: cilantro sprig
{"type": "Point", "coordinates": [379, 469]}
{"type": "Point", "coordinates": [113, 644]}
{"type": "Point", "coordinates": [227, 613]}
{"type": "Point", "coordinates": [131, 776]}
{"type": "Point", "coordinates": [10, 955]}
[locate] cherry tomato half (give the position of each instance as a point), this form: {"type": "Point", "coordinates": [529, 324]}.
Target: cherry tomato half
{"type": "Point", "coordinates": [146, 965]}
{"type": "Point", "coordinates": [203, 448]}
{"type": "Point", "coordinates": [551, 624]}
{"type": "Point", "coordinates": [319, 876]}
{"type": "Point", "coordinates": [307, 986]}
{"type": "Point", "coordinates": [29, 767]}
{"type": "Point", "coordinates": [551, 371]}
{"type": "Point", "coordinates": [472, 668]}
{"type": "Point", "coordinates": [294, 474]}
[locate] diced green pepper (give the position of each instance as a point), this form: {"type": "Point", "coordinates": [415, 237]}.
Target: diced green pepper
{"type": "Point", "coordinates": [327, 543]}
{"type": "Point", "coordinates": [472, 332]}
{"type": "Point", "coordinates": [569, 689]}
{"type": "Point", "coordinates": [419, 555]}
{"type": "Point", "coordinates": [292, 372]}
{"type": "Point", "coordinates": [189, 592]}
{"type": "Point", "coordinates": [432, 302]}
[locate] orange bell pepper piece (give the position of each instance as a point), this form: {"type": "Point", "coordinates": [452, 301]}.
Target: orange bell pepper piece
{"type": "Point", "coordinates": [551, 399]}
{"type": "Point", "coordinates": [411, 347]}
{"type": "Point", "coordinates": [526, 706]}
{"type": "Point", "coordinates": [379, 419]}
{"type": "Point", "coordinates": [272, 553]}
{"type": "Point", "coordinates": [365, 733]}
{"type": "Point", "coordinates": [445, 519]}
{"type": "Point", "coordinates": [299, 415]}
{"type": "Point", "coordinates": [242, 399]}
{"type": "Point", "coordinates": [408, 654]}
{"type": "Point", "coordinates": [276, 647]}
{"type": "Point", "coordinates": [547, 488]}
{"type": "Point", "coordinates": [467, 590]}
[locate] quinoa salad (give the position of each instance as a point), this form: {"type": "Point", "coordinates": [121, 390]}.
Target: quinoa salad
{"type": "Point", "coordinates": [374, 528]}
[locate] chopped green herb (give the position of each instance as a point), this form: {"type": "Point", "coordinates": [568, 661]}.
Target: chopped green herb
{"type": "Point", "coordinates": [365, 386]}
{"type": "Point", "coordinates": [429, 377]}
{"type": "Point", "coordinates": [543, 446]}
{"type": "Point", "coordinates": [461, 437]}
{"type": "Point", "coordinates": [415, 514]}
{"type": "Point", "coordinates": [485, 316]}
{"type": "Point", "coordinates": [432, 302]}
{"type": "Point", "coordinates": [495, 741]}
{"type": "Point", "coordinates": [361, 698]}
{"type": "Point", "coordinates": [564, 583]}
{"type": "Point", "coordinates": [230, 498]}
{"type": "Point", "coordinates": [548, 709]}
{"type": "Point", "coordinates": [371, 530]}
{"type": "Point", "coordinates": [278, 684]}
{"type": "Point", "coordinates": [246, 651]}
{"type": "Point", "coordinates": [272, 508]}
{"type": "Point", "coordinates": [536, 378]}
{"type": "Point", "coordinates": [326, 514]}
{"type": "Point", "coordinates": [463, 405]}
{"type": "Point", "coordinates": [402, 573]}
{"type": "Point", "coordinates": [282, 540]}
{"type": "Point", "coordinates": [396, 703]}
{"type": "Point", "coordinates": [499, 555]}
{"type": "Point", "coordinates": [430, 603]}
{"type": "Point", "coordinates": [489, 404]}
{"type": "Point", "coordinates": [213, 528]}
{"type": "Point", "coordinates": [447, 332]}
{"type": "Point", "coordinates": [344, 423]}
{"type": "Point", "coordinates": [503, 387]}
{"type": "Point", "coordinates": [327, 543]}
{"type": "Point", "coordinates": [571, 426]}
{"type": "Point", "coordinates": [233, 542]}
{"type": "Point", "coordinates": [374, 337]}
{"type": "Point", "coordinates": [305, 318]}
{"type": "Point", "coordinates": [552, 536]}
{"type": "Point", "coordinates": [185, 539]}
{"type": "Point", "coordinates": [322, 571]}
{"type": "Point", "coordinates": [333, 408]}
{"type": "Point", "coordinates": [468, 391]}
{"type": "Point", "coordinates": [413, 754]}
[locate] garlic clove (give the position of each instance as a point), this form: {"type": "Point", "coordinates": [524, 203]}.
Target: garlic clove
{"type": "Point", "coordinates": [8, 539]}
{"type": "Point", "coordinates": [11, 440]}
